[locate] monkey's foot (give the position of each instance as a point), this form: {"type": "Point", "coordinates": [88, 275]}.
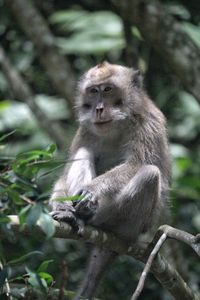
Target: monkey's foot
{"type": "Point", "coordinates": [65, 212]}
{"type": "Point", "coordinates": [86, 208]}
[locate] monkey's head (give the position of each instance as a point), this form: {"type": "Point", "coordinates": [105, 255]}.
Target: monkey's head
{"type": "Point", "coordinates": [108, 97]}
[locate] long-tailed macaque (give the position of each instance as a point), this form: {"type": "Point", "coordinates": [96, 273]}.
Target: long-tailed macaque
{"type": "Point", "coordinates": [119, 162]}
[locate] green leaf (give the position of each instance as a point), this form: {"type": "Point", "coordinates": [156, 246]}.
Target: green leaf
{"type": "Point", "coordinates": [52, 148]}
{"type": "Point", "coordinates": [4, 104]}
{"type": "Point", "coordinates": [14, 196]}
{"type": "Point", "coordinates": [46, 223]}
{"type": "Point", "coordinates": [34, 214]}
{"type": "Point", "coordinates": [44, 265]}
{"type": "Point", "coordinates": [23, 214]}
{"type": "Point", "coordinates": [183, 163]}
{"type": "Point", "coordinates": [35, 280]}
{"type": "Point", "coordinates": [89, 44]}
{"type": "Point", "coordinates": [96, 32]}
{"type": "Point", "coordinates": [68, 198]}
{"type": "Point", "coordinates": [46, 276]}
{"type": "Point", "coordinates": [4, 219]}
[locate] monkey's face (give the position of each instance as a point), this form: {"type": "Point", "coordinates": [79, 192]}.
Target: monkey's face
{"type": "Point", "coordinates": [102, 108]}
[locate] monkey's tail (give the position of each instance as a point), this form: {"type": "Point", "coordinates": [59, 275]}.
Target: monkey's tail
{"type": "Point", "coordinates": [99, 260]}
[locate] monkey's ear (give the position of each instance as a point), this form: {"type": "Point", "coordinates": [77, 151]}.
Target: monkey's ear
{"type": "Point", "coordinates": [137, 78]}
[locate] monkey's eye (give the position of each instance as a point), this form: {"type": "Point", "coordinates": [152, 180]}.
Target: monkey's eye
{"type": "Point", "coordinates": [108, 89]}
{"type": "Point", "coordinates": [93, 90]}
{"type": "Point", "coordinates": [87, 105]}
{"type": "Point", "coordinates": [118, 102]}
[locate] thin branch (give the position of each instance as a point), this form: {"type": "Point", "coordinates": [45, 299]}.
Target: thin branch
{"type": "Point", "coordinates": [183, 236]}
{"type": "Point", "coordinates": [164, 232]}
{"type": "Point", "coordinates": [162, 270]}
{"type": "Point", "coordinates": [148, 265]}
{"type": "Point", "coordinates": [22, 91]}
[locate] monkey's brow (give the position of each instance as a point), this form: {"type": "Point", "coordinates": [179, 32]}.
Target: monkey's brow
{"type": "Point", "coordinates": [98, 84]}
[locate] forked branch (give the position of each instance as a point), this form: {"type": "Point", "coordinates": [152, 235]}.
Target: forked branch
{"type": "Point", "coordinates": [162, 270]}
{"type": "Point", "coordinates": [164, 232]}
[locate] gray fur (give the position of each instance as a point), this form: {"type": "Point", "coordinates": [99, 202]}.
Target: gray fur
{"type": "Point", "coordinates": [121, 159]}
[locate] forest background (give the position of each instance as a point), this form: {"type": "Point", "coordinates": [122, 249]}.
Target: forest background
{"type": "Point", "coordinates": [44, 47]}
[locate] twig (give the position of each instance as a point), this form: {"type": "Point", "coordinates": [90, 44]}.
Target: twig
{"type": "Point", "coordinates": [26, 199]}
{"type": "Point", "coordinates": [166, 231]}
{"type": "Point", "coordinates": [183, 236]}
{"type": "Point", "coordinates": [148, 266]}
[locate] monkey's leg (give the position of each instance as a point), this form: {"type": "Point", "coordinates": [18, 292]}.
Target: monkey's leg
{"type": "Point", "coordinates": [98, 263]}
{"type": "Point", "coordinates": [140, 202]}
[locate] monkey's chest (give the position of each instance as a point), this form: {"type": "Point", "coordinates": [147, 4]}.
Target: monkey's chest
{"type": "Point", "coordinates": [107, 160]}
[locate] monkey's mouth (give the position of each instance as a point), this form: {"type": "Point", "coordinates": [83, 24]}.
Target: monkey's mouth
{"type": "Point", "coordinates": [100, 123]}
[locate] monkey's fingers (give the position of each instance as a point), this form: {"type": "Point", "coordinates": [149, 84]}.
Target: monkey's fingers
{"type": "Point", "coordinates": [84, 195]}
{"type": "Point", "coordinates": [64, 206]}
{"type": "Point", "coordinates": [85, 209]}
{"type": "Point", "coordinates": [65, 216]}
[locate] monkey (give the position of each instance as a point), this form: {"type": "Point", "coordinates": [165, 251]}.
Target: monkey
{"type": "Point", "coordinates": [119, 163]}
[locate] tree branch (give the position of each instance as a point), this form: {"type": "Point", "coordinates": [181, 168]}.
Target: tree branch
{"type": "Point", "coordinates": [55, 64]}
{"type": "Point", "coordinates": [148, 265]}
{"type": "Point", "coordinates": [164, 232]}
{"type": "Point", "coordinates": [183, 236]}
{"type": "Point", "coordinates": [167, 36]}
{"type": "Point", "coordinates": [162, 270]}
{"type": "Point", "coordinates": [22, 91]}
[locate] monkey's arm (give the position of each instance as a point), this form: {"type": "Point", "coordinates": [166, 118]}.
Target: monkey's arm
{"type": "Point", "coordinates": [128, 193]}
{"type": "Point", "coordinates": [111, 182]}
{"type": "Point", "coordinates": [78, 173]}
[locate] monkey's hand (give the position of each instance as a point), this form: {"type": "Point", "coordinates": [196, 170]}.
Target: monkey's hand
{"type": "Point", "coordinates": [87, 206]}
{"type": "Point", "coordinates": [65, 212]}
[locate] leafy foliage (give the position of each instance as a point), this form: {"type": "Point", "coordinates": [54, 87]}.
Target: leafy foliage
{"type": "Point", "coordinates": [20, 194]}
{"type": "Point", "coordinates": [97, 32]}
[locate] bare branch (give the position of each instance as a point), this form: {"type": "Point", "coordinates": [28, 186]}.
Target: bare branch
{"type": "Point", "coordinates": [148, 266]}
{"type": "Point", "coordinates": [164, 232]}
{"type": "Point", "coordinates": [22, 91]}
{"type": "Point", "coordinates": [162, 270]}
{"type": "Point", "coordinates": [183, 236]}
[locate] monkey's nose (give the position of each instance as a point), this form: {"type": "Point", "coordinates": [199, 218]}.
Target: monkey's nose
{"type": "Point", "coordinates": [99, 112]}
{"type": "Point", "coordinates": [99, 109]}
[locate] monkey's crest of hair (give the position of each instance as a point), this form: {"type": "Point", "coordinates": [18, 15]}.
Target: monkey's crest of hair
{"type": "Point", "coordinates": [104, 71]}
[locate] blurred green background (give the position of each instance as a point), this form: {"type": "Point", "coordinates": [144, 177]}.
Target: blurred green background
{"type": "Point", "coordinates": [44, 47]}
